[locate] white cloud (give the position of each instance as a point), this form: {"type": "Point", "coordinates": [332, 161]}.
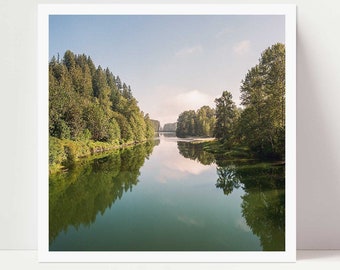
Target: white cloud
{"type": "Point", "coordinates": [192, 99]}
{"type": "Point", "coordinates": [242, 48]}
{"type": "Point", "coordinates": [171, 100]}
{"type": "Point", "coordinates": [186, 166]}
{"type": "Point", "coordinates": [190, 51]}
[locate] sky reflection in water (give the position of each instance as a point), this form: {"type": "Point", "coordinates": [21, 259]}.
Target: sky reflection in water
{"type": "Point", "coordinates": [134, 200]}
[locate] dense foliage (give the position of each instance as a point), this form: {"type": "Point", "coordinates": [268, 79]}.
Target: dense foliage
{"type": "Point", "coordinates": [226, 116]}
{"type": "Point", "coordinates": [88, 103]}
{"type": "Point", "coordinates": [196, 123]}
{"type": "Point", "coordinates": [260, 123]}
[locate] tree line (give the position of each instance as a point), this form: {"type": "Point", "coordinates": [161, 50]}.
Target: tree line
{"type": "Point", "coordinates": [90, 103]}
{"type": "Point", "coordinates": [196, 123]}
{"type": "Point", "coordinates": [260, 121]}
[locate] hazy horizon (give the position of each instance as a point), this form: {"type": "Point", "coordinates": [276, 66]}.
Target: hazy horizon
{"type": "Point", "coordinates": [172, 62]}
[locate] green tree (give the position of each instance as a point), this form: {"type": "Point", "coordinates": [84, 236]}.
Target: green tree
{"type": "Point", "coordinates": [205, 117]}
{"type": "Point", "coordinates": [69, 60]}
{"type": "Point", "coordinates": [60, 96]}
{"type": "Point", "coordinates": [263, 96]}
{"type": "Point", "coordinates": [86, 80]}
{"type": "Point", "coordinates": [126, 91]}
{"type": "Point", "coordinates": [226, 113]}
{"type": "Point", "coordinates": [186, 124]}
{"type": "Point", "coordinates": [74, 116]}
{"type": "Point", "coordinates": [91, 66]}
{"type": "Point", "coordinates": [114, 92]}
{"type": "Point", "coordinates": [126, 134]}
{"type": "Point", "coordinates": [97, 122]}
{"type": "Point", "coordinates": [150, 126]}
{"type": "Point", "coordinates": [101, 90]}
{"type": "Point", "coordinates": [138, 126]}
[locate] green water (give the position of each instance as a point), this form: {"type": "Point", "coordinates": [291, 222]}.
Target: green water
{"type": "Point", "coordinates": [167, 196]}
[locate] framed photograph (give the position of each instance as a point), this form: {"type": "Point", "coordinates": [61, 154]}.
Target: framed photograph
{"type": "Point", "coordinates": [167, 133]}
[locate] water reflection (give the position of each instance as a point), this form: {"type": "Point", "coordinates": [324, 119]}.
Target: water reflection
{"type": "Point", "coordinates": [195, 152]}
{"type": "Point", "coordinates": [227, 179]}
{"type": "Point", "coordinates": [76, 197]}
{"type": "Point", "coordinates": [174, 207]}
{"type": "Point", "coordinates": [263, 205]}
{"type": "Point", "coordinates": [170, 165]}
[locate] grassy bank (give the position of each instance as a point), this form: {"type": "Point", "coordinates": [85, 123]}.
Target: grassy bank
{"type": "Point", "coordinates": [65, 153]}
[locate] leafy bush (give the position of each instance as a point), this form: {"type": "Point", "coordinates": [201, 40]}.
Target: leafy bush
{"type": "Point", "coordinates": [56, 151]}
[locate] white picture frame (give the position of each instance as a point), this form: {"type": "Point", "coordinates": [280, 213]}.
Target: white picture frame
{"type": "Point", "coordinates": [289, 11]}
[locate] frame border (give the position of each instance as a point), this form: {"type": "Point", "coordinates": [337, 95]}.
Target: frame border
{"type": "Point", "coordinates": [288, 10]}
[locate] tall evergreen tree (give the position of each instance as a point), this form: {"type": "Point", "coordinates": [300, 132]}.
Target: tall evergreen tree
{"type": "Point", "coordinates": [225, 116]}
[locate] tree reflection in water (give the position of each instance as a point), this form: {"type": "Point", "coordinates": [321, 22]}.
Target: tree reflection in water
{"type": "Point", "coordinates": [227, 179]}
{"type": "Point", "coordinates": [195, 152]}
{"type": "Point", "coordinates": [77, 196]}
{"type": "Point", "coordinates": [263, 205]}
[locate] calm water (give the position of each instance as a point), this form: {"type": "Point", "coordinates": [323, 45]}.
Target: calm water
{"type": "Point", "coordinates": [171, 196]}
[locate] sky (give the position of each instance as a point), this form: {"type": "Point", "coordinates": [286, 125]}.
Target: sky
{"type": "Point", "coordinates": [173, 63]}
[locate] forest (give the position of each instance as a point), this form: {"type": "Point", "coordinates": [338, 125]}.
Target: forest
{"type": "Point", "coordinates": [259, 123]}
{"type": "Point", "coordinates": [90, 111]}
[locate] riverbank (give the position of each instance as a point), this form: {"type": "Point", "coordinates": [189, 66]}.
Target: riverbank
{"type": "Point", "coordinates": [202, 140]}
{"type": "Point", "coordinates": [235, 152]}
{"type": "Point", "coordinates": [64, 153]}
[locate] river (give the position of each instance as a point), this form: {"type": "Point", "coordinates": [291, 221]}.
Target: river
{"type": "Point", "coordinates": [169, 195]}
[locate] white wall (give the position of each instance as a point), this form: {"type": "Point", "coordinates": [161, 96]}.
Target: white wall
{"type": "Point", "coordinates": [318, 127]}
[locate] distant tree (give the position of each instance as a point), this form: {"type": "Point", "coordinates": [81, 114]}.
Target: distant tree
{"type": "Point", "coordinates": [91, 66]}
{"type": "Point", "coordinates": [126, 92]}
{"type": "Point", "coordinates": [186, 124]}
{"type": "Point", "coordinates": [156, 125]}
{"type": "Point", "coordinates": [195, 123]}
{"type": "Point", "coordinates": [119, 83]}
{"type": "Point", "coordinates": [170, 127]}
